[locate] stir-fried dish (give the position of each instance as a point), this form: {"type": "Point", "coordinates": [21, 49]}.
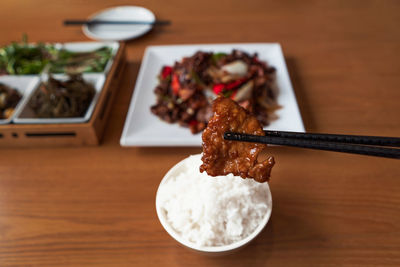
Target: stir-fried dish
{"type": "Point", "coordinates": [62, 99]}
{"type": "Point", "coordinates": [220, 156]}
{"type": "Point", "coordinates": [9, 99]}
{"type": "Point", "coordinates": [24, 58]}
{"type": "Point", "coordinates": [186, 90]}
{"type": "Point", "coordinates": [78, 62]}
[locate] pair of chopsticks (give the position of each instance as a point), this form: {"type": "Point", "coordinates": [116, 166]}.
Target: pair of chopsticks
{"type": "Point", "coordinates": [355, 144]}
{"type": "Point", "coordinates": [115, 22]}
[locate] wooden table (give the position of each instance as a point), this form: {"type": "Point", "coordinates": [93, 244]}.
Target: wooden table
{"type": "Point", "coordinates": [95, 206]}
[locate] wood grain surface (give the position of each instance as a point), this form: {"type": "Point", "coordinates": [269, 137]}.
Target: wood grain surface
{"type": "Point", "coordinates": [95, 206]}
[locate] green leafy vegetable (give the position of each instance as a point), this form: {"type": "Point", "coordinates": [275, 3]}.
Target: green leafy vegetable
{"type": "Point", "coordinates": [78, 62]}
{"type": "Point", "coordinates": [196, 77]}
{"type": "Point", "coordinates": [24, 58]}
{"type": "Point", "coordinates": [217, 56]}
{"type": "Point", "coordinates": [227, 93]}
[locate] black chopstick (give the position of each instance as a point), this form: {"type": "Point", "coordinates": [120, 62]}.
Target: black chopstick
{"type": "Point", "coordinates": [311, 141]}
{"type": "Point", "coordinates": [115, 22]}
{"type": "Point", "coordinates": [340, 138]}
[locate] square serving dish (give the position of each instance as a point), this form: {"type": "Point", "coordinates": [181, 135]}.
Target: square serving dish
{"type": "Point", "coordinates": [24, 85]}
{"type": "Point", "coordinates": [142, 128]}
{"type": "Point", "coordinates": [25, 115]}
{"type": "Point", "coordinates": [86, 130]}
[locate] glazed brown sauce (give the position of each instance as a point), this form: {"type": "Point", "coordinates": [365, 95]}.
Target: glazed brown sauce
{"type": "Point", "coordinates": [221, 156]}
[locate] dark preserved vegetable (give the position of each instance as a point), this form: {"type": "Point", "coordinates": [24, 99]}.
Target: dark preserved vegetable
{"type": "Point", "coordinates": [62, 99]}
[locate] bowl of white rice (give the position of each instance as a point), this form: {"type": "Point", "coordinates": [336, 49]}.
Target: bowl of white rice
{"type": "Point", "coordinates": [211, 214]}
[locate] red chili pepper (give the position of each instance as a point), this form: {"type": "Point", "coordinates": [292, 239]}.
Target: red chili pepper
{"type": "Point", "coordinates": [193, 122]}
{"type": "Point", "coordinates": [175, 84]}
{"type": "Point", "coordinates": [217, 88]}
{"type": "Point", "coordinates": [235, 84]}
{"type": "Point", "coordinates": [166, 71]}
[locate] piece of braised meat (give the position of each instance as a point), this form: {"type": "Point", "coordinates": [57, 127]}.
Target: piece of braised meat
{"type": "Point", "coordinates": [220, 156]}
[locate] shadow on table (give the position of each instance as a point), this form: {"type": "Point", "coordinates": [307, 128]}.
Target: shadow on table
{"type": "Point", "coordinates": [301, 94]}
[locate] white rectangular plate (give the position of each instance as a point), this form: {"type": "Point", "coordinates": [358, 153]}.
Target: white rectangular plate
{"type": "Point", "coordinates": [142, 128]}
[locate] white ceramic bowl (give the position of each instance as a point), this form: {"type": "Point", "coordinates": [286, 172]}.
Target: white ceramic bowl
{"type": "Point", "coordinates": [213, 250]}
{"type": "Point", "coordinates": [119, 32]}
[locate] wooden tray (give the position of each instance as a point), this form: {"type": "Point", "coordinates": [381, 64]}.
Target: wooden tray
{"type": "Point", "coordinates": [89, 133]}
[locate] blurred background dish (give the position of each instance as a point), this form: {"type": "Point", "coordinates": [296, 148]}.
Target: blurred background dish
{"type": "Point", "coordinates": [24, 85]}
{"type": "Point", "coordinates": [27, 115]}
{"type": "Point", "coordinates": [119, 32]}
{"type": "Point", "coordinates": [142, 128]}
{"type": "Point", "coordinates": [84, 57]}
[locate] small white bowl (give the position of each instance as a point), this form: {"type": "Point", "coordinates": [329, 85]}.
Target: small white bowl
{"type": "Point", "coordinates": [209, 250]}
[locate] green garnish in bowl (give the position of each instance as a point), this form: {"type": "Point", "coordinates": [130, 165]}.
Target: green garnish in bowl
{"type": "Point", "coordinates": [21, 58]}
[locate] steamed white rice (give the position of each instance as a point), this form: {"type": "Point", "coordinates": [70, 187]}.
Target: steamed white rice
{"type": "Point", "coordinates": [212, 211]}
